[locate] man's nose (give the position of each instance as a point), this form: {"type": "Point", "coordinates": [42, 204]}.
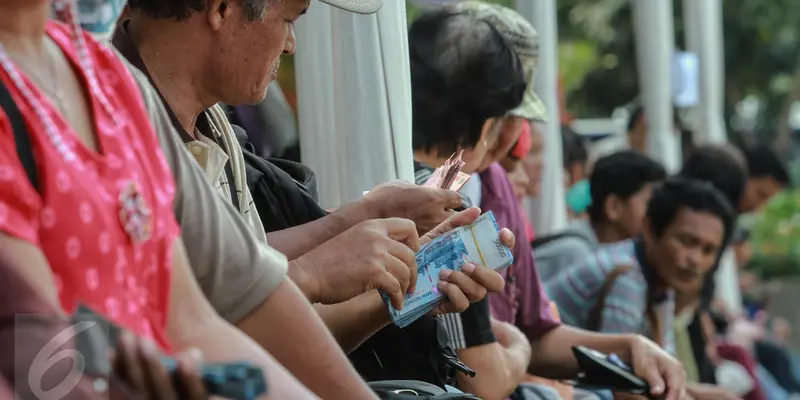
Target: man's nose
{"type": "Point", "coordinates": [291, 42]}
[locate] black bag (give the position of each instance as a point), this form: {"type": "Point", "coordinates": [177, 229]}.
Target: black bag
{"type": "Point", "coordinates": [412, 390]}
{"type": "Point", "coordinates": [284, 192]}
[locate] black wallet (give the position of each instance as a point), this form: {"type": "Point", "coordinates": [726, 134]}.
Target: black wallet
{"type": "Point", "coordinates": [607, 371]}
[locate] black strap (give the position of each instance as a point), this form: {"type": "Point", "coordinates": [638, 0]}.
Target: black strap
{"type": "Point", "coordinates": [21, 138]}
{"type": "Point", "coordinates": [231, 182]}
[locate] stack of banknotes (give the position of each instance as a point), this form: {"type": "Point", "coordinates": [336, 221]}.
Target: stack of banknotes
{"type": "Point", "coordinates": [478, 243]}
{"type": "Point", "coordinates": [449, 175]}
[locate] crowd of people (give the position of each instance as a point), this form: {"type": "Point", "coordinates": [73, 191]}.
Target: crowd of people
{"type": "Point", "coordinates": [127, 189]}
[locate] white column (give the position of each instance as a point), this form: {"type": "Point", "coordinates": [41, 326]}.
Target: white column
{"type": "Point", "coordinates": [704, 37]}
{"type": "Point", "coordinates": [655, 44]}
{"type": "Point", "coordinates": [354, 99]}
{"type": "Point", "coordinates": [548, 212]}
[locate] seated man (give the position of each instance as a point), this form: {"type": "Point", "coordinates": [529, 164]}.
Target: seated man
{"type": "Point", "coordinates": [767, 177]}
{"type": "Point", "coordinates": [629, 287]}
{"type": "Point", "coordinates": [464, 77]}
{"type": "Point", "coordinates": [620, 186]}
{"type": "Point", "coordinates": [372, 254]}
{"type": "Point", "coordinates": [522, 303]}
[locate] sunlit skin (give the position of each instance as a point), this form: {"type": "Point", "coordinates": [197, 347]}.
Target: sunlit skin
{"type": "Point", "coordinates": [686, 250]}
{"type": "Point", "coordinates": [534, 162]}
{"type": "Point", "coordinates": [758, 192]}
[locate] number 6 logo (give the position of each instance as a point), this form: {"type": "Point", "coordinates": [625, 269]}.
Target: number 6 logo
{"type": "Point", "coordinates": [48, 356]}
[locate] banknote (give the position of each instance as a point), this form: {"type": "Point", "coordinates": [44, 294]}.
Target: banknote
{"type": "Point", "coordinates": [478, 243]}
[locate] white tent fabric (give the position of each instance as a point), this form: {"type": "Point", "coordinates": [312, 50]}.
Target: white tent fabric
{"type": "Point", "coordinates": [354, 99]}
{"type": "Point", "coordinates": [548, 213]}
{"type": "Point", "coordinates": [704, 37]}
{"type": "Point", "coordinates": [655, 44]}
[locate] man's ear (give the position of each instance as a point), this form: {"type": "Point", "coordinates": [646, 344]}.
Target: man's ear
{"type": "Point", "coordinates": [613, 208]}
{"type": "Point", "coordinates": [647, 230]}
{"type": "Point", "coordinates": [217, 12]}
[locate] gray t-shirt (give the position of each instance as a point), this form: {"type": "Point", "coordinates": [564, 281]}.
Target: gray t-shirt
{"type": "Point", "coordinates": [576, 243]}
{"type": "Point", "coordinates": [235, 271]}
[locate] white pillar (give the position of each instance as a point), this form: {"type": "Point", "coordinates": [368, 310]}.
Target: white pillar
{"type": "Point", "coordinates": [354, 99]}
{"type": "Point", "coordinates": [704, 37]}
{"type": "Point", "coordinates": [548, 212]}
{"type": "Point", "coordinates": [655, 44]}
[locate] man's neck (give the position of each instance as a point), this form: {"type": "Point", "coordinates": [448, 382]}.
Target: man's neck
{"type": "Point", "coordinates": [173, 67]}
{"type": "Point", "coordinates": [606, 233]}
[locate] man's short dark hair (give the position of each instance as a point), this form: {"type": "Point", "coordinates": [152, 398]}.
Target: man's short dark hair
{"type": "Point", "coordinates": [677, 193]}
{"type": "Point", "coordinates": [622, 174]}
{"type": "Point", "coordinates": [573, 147]}
{"type": "Point", "coordinates": [182, 9]}
{"type": "Point", "coordinates": [719, 167]}
{"type": "Point", "coordinates": [762, 162]}
{"type": "Point", "coordinates": [637, 113]}
{"type": "Point", "coordinates": [463, 72]}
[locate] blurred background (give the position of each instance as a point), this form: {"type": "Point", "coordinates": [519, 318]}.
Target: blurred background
{"type": "Point", "coordinates": [599, 77]}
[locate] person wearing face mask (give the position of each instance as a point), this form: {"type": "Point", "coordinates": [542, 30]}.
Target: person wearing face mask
{"type": "Point", "coordinates": [630, 286]}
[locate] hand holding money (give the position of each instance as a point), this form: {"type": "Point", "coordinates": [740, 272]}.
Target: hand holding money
{"type": "Point", "coordinates": [427, 207]}
{"type": "Point", "coordinates": [470, 284]}
{"type": "Point", "coordinates": [475, 247]}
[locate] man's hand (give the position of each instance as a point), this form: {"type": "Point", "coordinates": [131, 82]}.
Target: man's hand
{"type": "Point", "coordinates": [508, 335]}
{"type": "Point", "coordinates": [377, 254]}
{"type": "Point", "coordinates": [663, 373]}
{"type": "Point", "coordinates": [473, 282]}
{"type": "Point", "coordinates": [137, 362]}
{"type": "Point", "coordinates": [427, 207]}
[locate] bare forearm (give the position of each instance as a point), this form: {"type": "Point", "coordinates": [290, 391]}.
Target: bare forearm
{"type": "Point", "coordinates": [287, 327]}
{"type": "Point", "coordinates": [220, 342]}
{"type": "Point", "coordinates": [552, 355]}
{"type": "Point", "coordinates": [498, 370]}
{"type": "Point", "coordinates": [299, 240]}
{"type": "Point", "coordinates": [354, 321]}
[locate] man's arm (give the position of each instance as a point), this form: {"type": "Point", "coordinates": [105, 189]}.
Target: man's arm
{"type": "Point", "coordinates": [355, 321]}
{"type": "Point", "coordinates": [390, 200]}
{"type": "Point", "coordinates": [299, 240]}
{"type": "Point", "coordinates": [500, 366]}
{"type": "Point", "coordinates": [193, 323]}
{"type": "Point", "coordinates": [244, 280]}
{"type": "Point", "coordinates": [552, 356]}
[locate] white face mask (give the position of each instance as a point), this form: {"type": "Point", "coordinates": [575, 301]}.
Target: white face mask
{"type": "Point", "coordinates": [99, 16]}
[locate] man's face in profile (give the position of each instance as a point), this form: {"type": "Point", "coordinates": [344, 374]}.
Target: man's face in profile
{"type": "Point", "coordinates": [757, 192]}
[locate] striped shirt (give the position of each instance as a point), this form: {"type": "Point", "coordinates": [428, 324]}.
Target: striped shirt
{"type": "Point", "coordinates": [577, 290]}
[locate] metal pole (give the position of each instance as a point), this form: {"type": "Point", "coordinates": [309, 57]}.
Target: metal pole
{"type": "Point", "coordinates": [548, 212]}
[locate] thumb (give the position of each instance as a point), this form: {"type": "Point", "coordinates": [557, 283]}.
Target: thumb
{"type": "Point", "coordinates": [402, 230]}
{"type": "Point", "coordinates": [650, 373]}
{"type": "Point", "coordinates": [462, 218]}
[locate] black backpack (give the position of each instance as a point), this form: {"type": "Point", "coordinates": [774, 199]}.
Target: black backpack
{"type": "Point", "coordinates": [284, 192]}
